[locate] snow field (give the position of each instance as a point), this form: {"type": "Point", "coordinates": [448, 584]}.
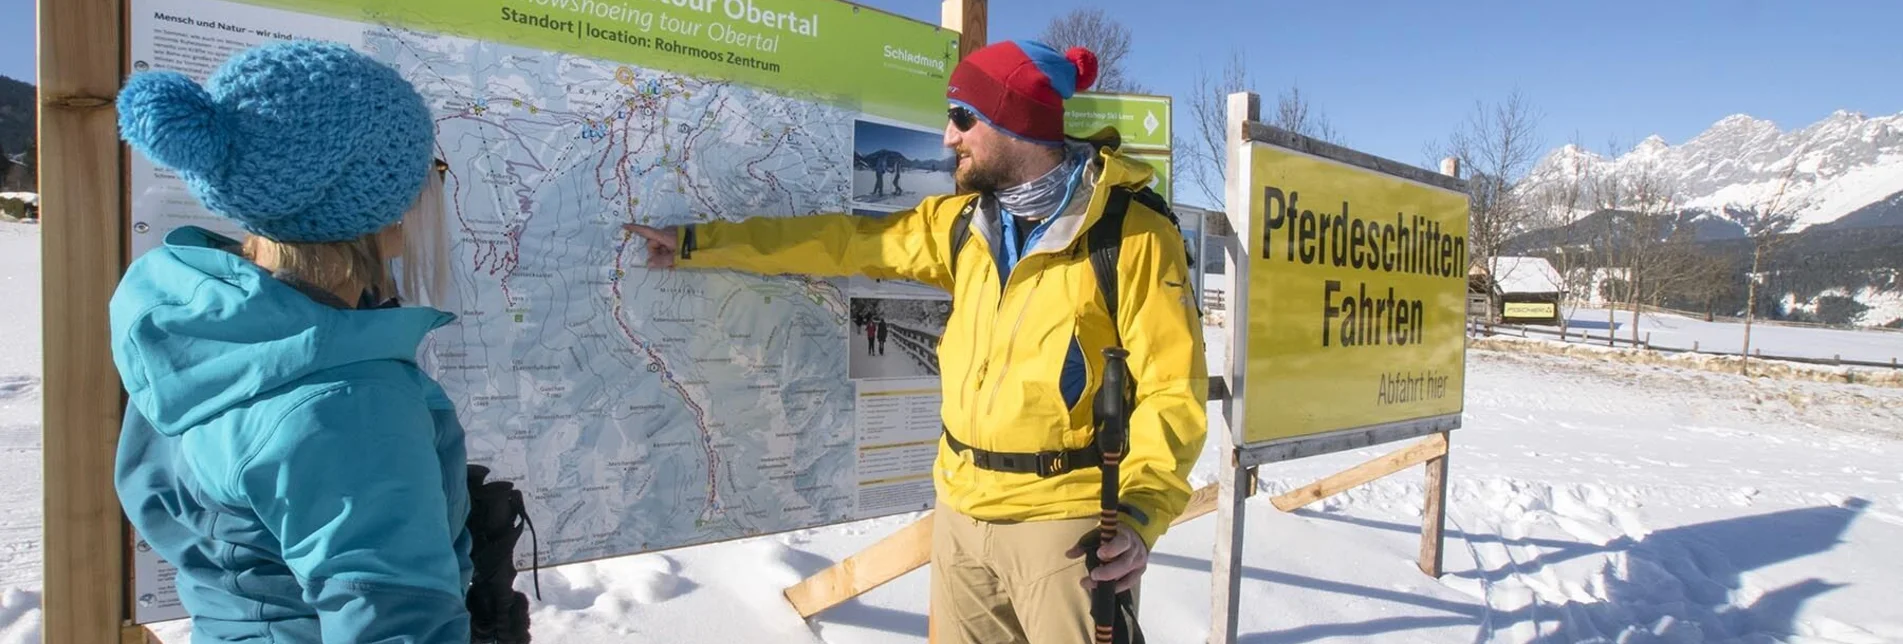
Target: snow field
{"type": "Point", "coordinates": [1590, 501]}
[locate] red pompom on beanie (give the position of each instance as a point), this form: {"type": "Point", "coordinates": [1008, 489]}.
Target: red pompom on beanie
{"type": "Point", "coordinates": [1020, 86]}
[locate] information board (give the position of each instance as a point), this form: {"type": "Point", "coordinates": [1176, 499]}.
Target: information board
{"type": "Point", "coordinates": [1142, 120]}
{"type": "Point", "coordinates": [1357, 286]}
{"type": "Point", "coordinates": [642, 410]}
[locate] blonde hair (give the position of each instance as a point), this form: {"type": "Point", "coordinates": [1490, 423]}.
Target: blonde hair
{"type": "Point", "coordinates": [350, 268]}
{"type": "Point", "coordinates": [424, 265]}
{"type": "Point", "coordinates": [344, 268]}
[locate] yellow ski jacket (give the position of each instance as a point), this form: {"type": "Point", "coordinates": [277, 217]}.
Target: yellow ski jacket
{"type": "Point", "coordinates": [1021, 361]}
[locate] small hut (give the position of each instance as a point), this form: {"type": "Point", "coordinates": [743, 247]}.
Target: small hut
{"type": "Point", "coordinates": [1526, 290]}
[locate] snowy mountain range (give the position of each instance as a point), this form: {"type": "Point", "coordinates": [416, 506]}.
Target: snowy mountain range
{"type": "Point", "coordinates": [1836, 166]}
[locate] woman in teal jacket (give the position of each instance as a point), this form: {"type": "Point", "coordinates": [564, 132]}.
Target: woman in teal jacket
{"type": "Point", "coordinates": [281, 447]}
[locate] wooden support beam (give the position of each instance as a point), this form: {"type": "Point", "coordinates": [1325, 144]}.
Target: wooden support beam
{"type": "Point", "coordinates": [968, 18]}
{"type": "Point", "coordinates": [1434, 513]}
{"type": "Point", "coordinates": [82, 209]}
{"type": "Point", "coordinates": [897, 554]}
{"type": "Point", "coordinates": [1434, 446]}
{"type": "Point", "coordinates": [910, 549]}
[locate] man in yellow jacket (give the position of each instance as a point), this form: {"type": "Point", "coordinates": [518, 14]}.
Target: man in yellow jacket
{"type": "Point", "coordinates": [1021, 359]}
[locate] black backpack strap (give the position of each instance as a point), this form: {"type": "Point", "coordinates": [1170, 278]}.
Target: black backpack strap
{"type": "Point", "coordinates": [960, 233]}
{"type": "Point", "coordinates": [1105, 241]}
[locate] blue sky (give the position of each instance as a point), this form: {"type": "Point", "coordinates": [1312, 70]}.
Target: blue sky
{"type": "Point", "coordinates": [17, 25]}
{"type": "Point", "coordinates": [1392, 75]}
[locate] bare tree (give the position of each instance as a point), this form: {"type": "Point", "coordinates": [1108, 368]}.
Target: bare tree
{"type": "Point", "coordinates": [1294, 113]}
{"type": "Point", "coordinates": [1202, 149]}
{"type": "Point", "coordinates": [1766, 225]}
{"type": "Point", "coordinates": [1611, 197]}
{"type": "Point", "coordinates": [1651, 206]}
{"type": "Point", "coordinates": [30, 164]}
{"type": "Point", "coordinates": [1557, 208]}
{"type": "Point", "coordinates": [1496, 145]}
{"type": "Point", "coordinates": [1095, 30]}
{"type": "Point", "coordinates": [1699, 276]}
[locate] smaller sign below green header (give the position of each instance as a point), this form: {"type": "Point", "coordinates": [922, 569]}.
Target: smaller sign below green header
{"type": "Point", "coordinates": [1142, 120]}
{"type": "Point", "coordinates": [1161, 163]}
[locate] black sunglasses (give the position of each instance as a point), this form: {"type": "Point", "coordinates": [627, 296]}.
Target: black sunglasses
{"type": "Point", "coordinates": [962, 118]}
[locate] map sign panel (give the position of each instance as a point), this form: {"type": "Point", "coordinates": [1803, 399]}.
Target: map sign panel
{"type": "Point", "coordinates": [642, 410]}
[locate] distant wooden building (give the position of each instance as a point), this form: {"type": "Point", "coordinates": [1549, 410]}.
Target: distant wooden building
{"type": "Point", "coordinates": [1524, 290]}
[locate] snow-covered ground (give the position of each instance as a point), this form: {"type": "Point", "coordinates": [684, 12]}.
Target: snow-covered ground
{"type": "Point", "coordinates": [917, 184]}
{"type": "Point", "coordinates": [1680, 332]}
{"type": "Point", "coordinates": [20, 433]}
{"type": "Point", "coordinates": [1590, 501]}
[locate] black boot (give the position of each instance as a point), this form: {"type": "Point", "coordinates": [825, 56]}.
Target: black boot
{"type": "Point", "coordinates": [497, 613]}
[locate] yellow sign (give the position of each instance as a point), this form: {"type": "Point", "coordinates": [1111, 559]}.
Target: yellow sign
{"type": "Point", "coordinates": [1357, 297]}
{"type": "Point", "coordinates": [1530, 310]}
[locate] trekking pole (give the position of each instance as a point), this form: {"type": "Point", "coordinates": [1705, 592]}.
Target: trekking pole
{"type": "Point", "coordinates": [1112, 421]}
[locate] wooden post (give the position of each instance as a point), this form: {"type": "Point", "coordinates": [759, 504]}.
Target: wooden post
{"type": "Point", "coordinates": [1235, 480]}
{"type": "Point", "coordinates": [968, 18]}
{"type": "Point", "coordinates": [82, 257]}
{"type": "Point", "coordinates": [1226, 561]}
{"type": "Point", "coordinates": [1434, 511]}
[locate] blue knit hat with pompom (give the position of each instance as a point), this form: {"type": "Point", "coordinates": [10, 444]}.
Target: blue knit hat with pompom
{"type": "Point", "coordinates": [299, 141]}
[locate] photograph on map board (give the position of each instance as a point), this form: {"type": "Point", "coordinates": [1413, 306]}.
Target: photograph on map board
{"type": "Point", "coordinates": [895, 337]}
{"type": "Point", "coordinates": [896, 167]}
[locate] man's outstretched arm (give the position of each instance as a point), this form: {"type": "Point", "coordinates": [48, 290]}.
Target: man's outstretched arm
{"type": "Point", "coordinates": [912, 244]}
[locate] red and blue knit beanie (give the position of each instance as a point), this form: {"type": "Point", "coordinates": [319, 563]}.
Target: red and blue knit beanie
{"type": "Point", "coordinates": [1019, 86]}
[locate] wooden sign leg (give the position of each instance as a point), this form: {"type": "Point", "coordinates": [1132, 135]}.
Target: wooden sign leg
{"type": "Point", "coordinates": [1434, 513]}
{"type": "Point", "coordinates": [904, 551]}
{"type": "Point", "coordinates": [82, 223]}
{"type": "Point", "coordinates": [1225, 570]}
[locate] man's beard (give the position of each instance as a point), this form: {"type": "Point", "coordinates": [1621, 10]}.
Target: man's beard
{"type": "Point", "coordinates": [984, 179]}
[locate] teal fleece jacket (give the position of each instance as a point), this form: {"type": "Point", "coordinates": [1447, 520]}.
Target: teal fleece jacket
{"type": "Point", "coordinates": [289, 457]}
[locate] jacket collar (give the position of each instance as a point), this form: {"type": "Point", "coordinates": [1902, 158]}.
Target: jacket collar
{"type": "Point", "coordinates": [1108, 168]}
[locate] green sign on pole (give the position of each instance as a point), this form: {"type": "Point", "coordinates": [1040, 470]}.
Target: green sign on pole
{"type": "Point", "coordinates": [1161, 162]}
{"type": "Point", "coordinates": [1142, 120]}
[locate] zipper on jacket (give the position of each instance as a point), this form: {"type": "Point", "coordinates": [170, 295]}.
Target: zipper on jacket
{"type": "Point", "coordinates": [1004, 286]}
{"type": "Point", "coordinates": [1015, 326]}
{"type": "Point", "coordinates": [968, 394]}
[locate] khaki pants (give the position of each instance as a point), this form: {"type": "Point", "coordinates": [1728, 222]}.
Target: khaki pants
{"type": "Point", "coordinates": [1008, 583]}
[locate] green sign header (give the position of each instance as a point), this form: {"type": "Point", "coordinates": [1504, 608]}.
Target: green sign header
{"type": "Point", "coordinates": [832, 51]}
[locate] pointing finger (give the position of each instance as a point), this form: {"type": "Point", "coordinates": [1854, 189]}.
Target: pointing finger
{"type": "Point", "coordinates": [655, 235]}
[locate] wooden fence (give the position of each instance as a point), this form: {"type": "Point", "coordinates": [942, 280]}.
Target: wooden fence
{"type": "Point", "coordinates": [1477, 328]}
